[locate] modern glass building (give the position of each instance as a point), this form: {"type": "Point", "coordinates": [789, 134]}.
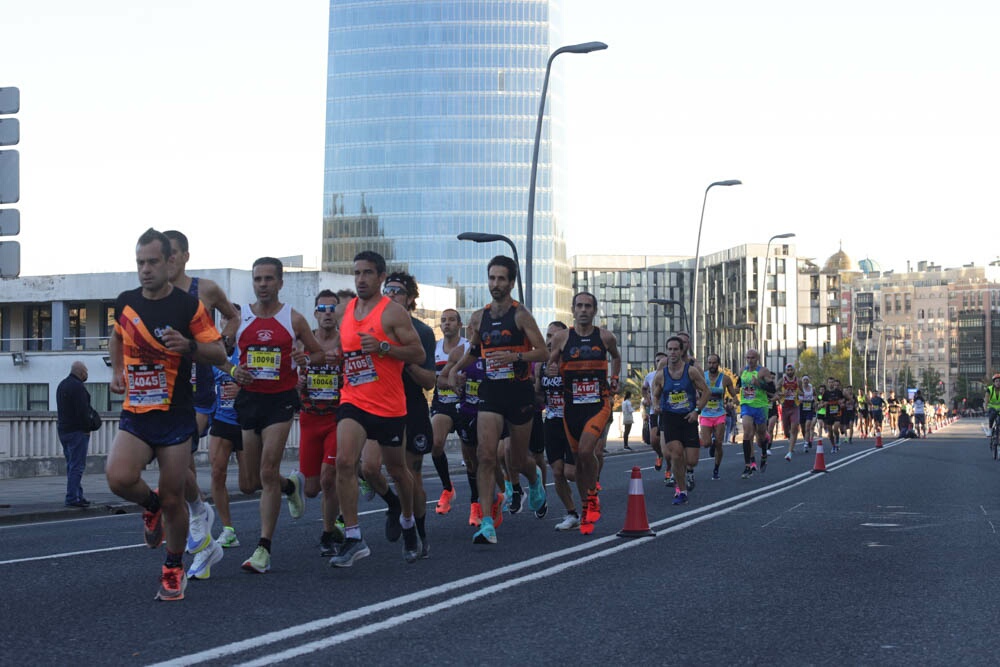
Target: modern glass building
{"type": "Point", "coordinates": [431, 113]}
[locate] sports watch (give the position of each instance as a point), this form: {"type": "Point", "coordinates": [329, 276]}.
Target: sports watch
{"type": "Point", "coordinates": [384, 347]}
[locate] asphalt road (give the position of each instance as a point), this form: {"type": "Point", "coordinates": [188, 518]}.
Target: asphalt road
{"type": "Point", "coordinates": [886, 559]}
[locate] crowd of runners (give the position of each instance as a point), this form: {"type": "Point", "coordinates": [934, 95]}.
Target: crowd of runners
{"type": "Point", "coordinates": [521, 403]}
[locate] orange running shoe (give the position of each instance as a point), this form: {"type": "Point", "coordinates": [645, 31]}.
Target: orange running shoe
{"type": "Point", "coordinates": [594, 506]}
{"type": "Point", "coordinates": [497, 511]}
{"type": "Point", "coordinates": [476, 515]}
{"type": "Point", "coordinates": [659, 463]}
{"type": "Point", "coordinates": [172, 584]}
{"type": "Point", "coordinates": [444, 502]}
{"type": "Point", "coordinates": [153, 528]}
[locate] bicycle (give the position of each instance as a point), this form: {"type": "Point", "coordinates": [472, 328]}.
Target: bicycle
{"type": "Point", "coordinates": [995, 438]}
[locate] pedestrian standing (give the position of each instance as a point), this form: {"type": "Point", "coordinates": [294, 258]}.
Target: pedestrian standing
{"type": "Point", "coordinates": [74, 425]}
{"type": "Point", "coordinates": [626, 417]}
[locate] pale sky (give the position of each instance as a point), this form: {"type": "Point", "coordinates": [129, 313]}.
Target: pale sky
{"type": "Point", "coordinates": [869, 123]}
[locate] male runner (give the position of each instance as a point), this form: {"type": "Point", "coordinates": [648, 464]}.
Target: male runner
{"type": "Point", "coordinates": [267, 399]}
{"type": "Point", "coordinates": [507, 337]}
{"type": "Point", "coordinates": [159, 331]}
{"type": "Point", "coordinates": [444, 405]}
{"type": "Point", "coordinates": [681, 393]}
{"type": "Point", "coordinates": [377, 339]}
{"type": "Point", "coordinates": [807, 411]}
{"type": "Point", "coordinates": [319, 388]}
{"type": "Point", "coordinates": [712, 421]}
{"type": "Point", "coordinates": [894, 407]}
{"type": "Point", "coordinates": [580, 354]}
{"type": "Point", "coordinates": [754, 402]}
{"type": "Point", "coordinates": [876, 408]}
{"type": "Point", "coordinates": [789, 387]}
{"type": "Point", "coordinates": [652, 412]}
{"type": "Point", "coordinates": [557, 448]}
{"type": "Point", "coordinates": [203, 382]}
{"type": "Point", "coordinates": [402, 288]}
{"type": "Point", "coordinates": [833, 401]}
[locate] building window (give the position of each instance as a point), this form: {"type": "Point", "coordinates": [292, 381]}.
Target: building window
{"type": "Point", "coordinates": [4, 330]}
{"type": "Point", "coordinates": [76, 336]}
{"type": "Point", "coordinates": [24, 397]}
{"type": "Point", "coordinates": [38, 327]}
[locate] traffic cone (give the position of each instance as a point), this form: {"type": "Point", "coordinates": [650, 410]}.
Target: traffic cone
{"type": "Point", "coordinates": [820, 465]}
{"type": "Point", "coordinates": [636, 523]}
{"type": "Point", "coordinates": [878, 440]}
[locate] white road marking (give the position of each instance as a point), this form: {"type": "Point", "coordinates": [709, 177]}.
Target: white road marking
{"type": "Point", "coordinates": [682, 521]}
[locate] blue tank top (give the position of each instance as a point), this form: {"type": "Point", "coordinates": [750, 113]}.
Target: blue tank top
{"type": "Point", "coordinates": [201, 374]}
{"type": "Point", "coordinates": [224, 410]}
{"type": "Point", "coordinates": [716, 406]}
{"type": "Point", "coordinates": [678, 395]}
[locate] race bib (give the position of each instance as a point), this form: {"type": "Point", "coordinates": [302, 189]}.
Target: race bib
{"type": "Point", "coordinates": [790, 395]}
{"type": "Point", "coordinates": [496, 370]}
{"type": "Point", "coordinates": [586, 391]}
{"type": "Point", "coordinates": [713, 404]}
{"type": "Point", "coordinates": [749, 393]}
{"type": "Point", "coordinates": [807, 405]}
{"type": "Point", "coordinates": [359, 368]}
{"type": "Point", "coordinates": [556, 404]}
{"type": "Point", "coordinates": [678, 400]}
{"type": "Point", "coordinates": [147, 385]}
{"type": "Point", "coordinates": [263, 361]}
{"type": "Point", "coordinates": [447, 396]}
{"type": "Point", "coordinates": [472, 391]}
{"type": "Point", "coordinates": [833, 408]}
{"type": "Point", "coordinates": [323, 383]}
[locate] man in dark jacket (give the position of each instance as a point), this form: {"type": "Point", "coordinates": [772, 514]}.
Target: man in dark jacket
{"type": "Point", "coordinates": [73, 404]}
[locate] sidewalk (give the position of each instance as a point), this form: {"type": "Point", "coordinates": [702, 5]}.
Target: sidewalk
{"type": "Point", "coordinates": [30, 499]}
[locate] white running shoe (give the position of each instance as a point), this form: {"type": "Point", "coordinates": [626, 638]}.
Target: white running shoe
{"type": "Point", "coordinates": [788, 456]}
{"type": "Point", "coordinates": [297, 501]}
{"type": "Point", "coordinates": [200, 529]}
{"type": "Point", "coordinates": [227, 538]}
{"type": "Point", "coordinates": [569, 522]}
{"type": "Point", "coordinates": [201, 568]}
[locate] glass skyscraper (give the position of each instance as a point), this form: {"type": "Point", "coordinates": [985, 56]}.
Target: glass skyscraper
{"type": "Point", "coordinates": [431, 113]}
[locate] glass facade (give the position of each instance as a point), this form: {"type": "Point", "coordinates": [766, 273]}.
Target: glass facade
{"type": "Point", "coordinates": [431, 113]}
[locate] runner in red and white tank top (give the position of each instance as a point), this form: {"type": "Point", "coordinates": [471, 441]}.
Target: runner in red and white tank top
{"type": "Point", "coordinates": [789, 391]}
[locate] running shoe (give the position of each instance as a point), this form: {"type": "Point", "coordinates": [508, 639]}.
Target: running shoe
{"type": "Point", "coordinates": [259, 562]}
{"type": "Point", "coordinates": [425, 549]}
{"type": "Point", "coordinates": [200, 529]}
{"type": "Point", "coordinates": [475, 514]}
{"type": "Point", "coordinates": [753, 468]}
{"type": "Point", "coordinates": [681, 498]}
{"type": "Point", "coordinates": [153, 527]}
{"type": "Point", "coordinates": [746, 472]}
{"type": "Point", "coordinates": [297, 501]}
{"type": "Point", "coordinates": [201, 568]}
{"type": "Point", "coordinates": [569, 522]}
{"type": "Point", "coordinates": [227, 538]}
{"type": "Point", "coordinates": [486, 534]}
{"type": "Point", "coordinates": [668, 478]}
{"type": "Point", "coordinates": [444, 502]}
{"type": "Point", "coordinates": [172, 584]}
{"type": "Point", "coordinates": [352, 550]}
{"type": "Point", "coordinates": [515, 502]}
{"type": "Point", "coordinates": [366, 488]}
{"type": "Point", "coordinates": [536, 494]}
{"type": "Point", "coordinates": [763, 463]}
{"type": "Point", "coordinates": [658, 465]}
{"type": "Point", "coordinates": [392, 528]}
{"type": "Point", "coordinates": [508, 490]}
{"type": "Point", "coordinates": [715, 472]}
{"type": "Point", "coordinates": [594, 506]}
{"type": "Point", "coordinates": [329, 541]}
{"type": "Point", "coordinates": [689, 480]}
{"type": "Point", "coordinates": [411, 545]}
{"type": "Point", "coordinates": [496, 512]}
{"type": "Point", "coordinates": [788, 456]}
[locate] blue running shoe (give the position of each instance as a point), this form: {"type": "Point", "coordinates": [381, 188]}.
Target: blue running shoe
{"type": "Point", "coordinates": [681, 498]}
{"type": "Point", "coordinates": [486, 534]}
{"type": "Point", "coordinates": [536, 492]}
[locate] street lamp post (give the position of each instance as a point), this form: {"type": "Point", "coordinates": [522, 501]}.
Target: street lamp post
{"type": "Point", "coordinates": [673, 302]}
{"type": "Point", "coordinates": [763, 293]}
{"type": "Point", "coordinates": [479, 237]}
{"type": "Point", "coordinates": [529, 233]}
{"type": "Point", "coordinates": [868, 337]}
{"type": "Point", "coordinates": [697, 262]}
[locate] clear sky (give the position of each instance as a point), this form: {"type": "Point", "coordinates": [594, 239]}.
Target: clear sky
{"type": "Point", "coordinates": [872, 124]}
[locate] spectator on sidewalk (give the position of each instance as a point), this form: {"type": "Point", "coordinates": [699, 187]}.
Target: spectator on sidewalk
{"type": "Point", "coordinates": [627, 417]}
{"type": "Point", "coordinates": [73, 406]}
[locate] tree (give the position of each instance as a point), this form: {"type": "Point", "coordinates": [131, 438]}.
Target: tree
{"type": "Point", "coordinates": [932, 385]}
{"type": "Point", "coordinates": [835, 363]}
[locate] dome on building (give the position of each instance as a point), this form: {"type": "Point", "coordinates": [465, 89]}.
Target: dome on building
{"type": "Point", "coordinates": [869, 265]}
{"type": "Point", "coordinates": [839, 261]}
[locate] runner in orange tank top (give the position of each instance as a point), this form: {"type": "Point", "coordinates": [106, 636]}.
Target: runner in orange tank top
{"type": "Point", "coordinates": [377, 338]}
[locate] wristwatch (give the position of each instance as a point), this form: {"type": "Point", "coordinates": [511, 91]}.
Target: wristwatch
{"type": "Point", "coordinates": [383, 348]}
{"type": "Point", "coordinates": [192, 346]}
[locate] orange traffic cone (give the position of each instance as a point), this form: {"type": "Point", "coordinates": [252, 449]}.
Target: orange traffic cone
{"type": "Point", "coordinates": [878, 440]}
{"type": "Point", "coordinates": [636, 523]}
{"type": "Point", "coordinates": [820, 465]}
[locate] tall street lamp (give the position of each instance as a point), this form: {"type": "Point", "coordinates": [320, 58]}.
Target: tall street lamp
{"type": "Point", "coordinates": [697, 260]}
{"type": "Point", "coordinates": [763, 293]}
{"type": "Point", "coordinates": [868, 337]}
{"type": "Point", "coordinates": [673, 302]}
{"type": "Point", "coordinates": [480, 237]}
{"type": "Point", "coordinates": [529, 232]}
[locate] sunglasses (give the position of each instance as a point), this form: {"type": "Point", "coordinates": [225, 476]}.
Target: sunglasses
{"type": "Point", "coordinates": [393, 290]}
{"type": "Point", "coordinates": [326, 308]}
